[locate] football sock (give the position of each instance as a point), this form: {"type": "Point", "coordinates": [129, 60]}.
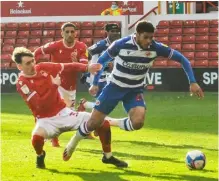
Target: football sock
{"type": "Point", "coordinates": [108, 155]}
{"type": "Point", "coordinates": [38, 142]}
{"type": "Point", "coordinates": [75, 139]}
{"type": "Point", "coordinates": [104, 133]}
{"type": "Point", "coordinates": [82, 130]}
{"type": "Point", "coordinates": [114, 121]}
{"type": "Point", "coordinates": [126, 124]}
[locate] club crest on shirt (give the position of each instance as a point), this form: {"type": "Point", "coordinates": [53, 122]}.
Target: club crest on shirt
{"type": "Point", "coordinates": [97, 103]}
{"type": "Point", "coordinates": [43, 73]}
{"type": "Point", "coordinates": [25, 89]}
{"type": "Point", "coordinates": [147, 53]}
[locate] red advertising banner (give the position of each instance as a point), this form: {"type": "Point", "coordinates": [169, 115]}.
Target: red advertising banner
{"type": "Point", "coordinates": [65, 8]}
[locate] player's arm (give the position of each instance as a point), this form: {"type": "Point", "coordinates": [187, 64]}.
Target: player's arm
{"type": "Point", "coordinates": [165, 51]}
{"type": "Point", "coordinates": [56, 68]}
{"type": "Point", "coordinates": [31, 97]}
{"type": "Point", "coordinates": [94, 59]}
{"type": "Point", "coordinates": [48, 48]}
{"type": "Point", "coordinates": [105, 58]}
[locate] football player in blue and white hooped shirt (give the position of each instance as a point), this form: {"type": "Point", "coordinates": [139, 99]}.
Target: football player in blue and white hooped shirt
{"type": "Point", "coordinates": [113, 32]}
{"type": "Point", "coordinates": [133, 56]}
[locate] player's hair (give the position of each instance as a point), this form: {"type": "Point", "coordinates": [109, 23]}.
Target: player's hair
{"type": "Point", "coordinates": [144, 26]}
{"type": "Point", "coordinates": [20, 52]}
{"type": "Point", "coordinates": [68, 24]}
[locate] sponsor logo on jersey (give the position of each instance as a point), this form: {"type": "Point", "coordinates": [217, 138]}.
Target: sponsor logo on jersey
{"type": "Point", "coordinates": [97, 103]}
{"type": "Point", "coordinates": [43, 73]}
{"type": "Point", "coordinates": [147, 53]}
{"type": "Point", "coordinates": [137, 66]}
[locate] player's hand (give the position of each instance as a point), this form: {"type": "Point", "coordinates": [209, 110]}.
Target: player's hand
{"type": "Point", "coordinates": [93, 90]}
{"type": "Point", "coordinates": [56, 80]}
{"type": "Point", "coordinates": [93, 68]}
{"type": "Point", "coordinates": [195, 89]}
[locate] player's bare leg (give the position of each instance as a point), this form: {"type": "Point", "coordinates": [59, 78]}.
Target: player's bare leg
{"type": "Point", "coordinates": [98, 119]}
{"type": "Point", "coordinates": [84, 104]}
{"type": "Point", "coordinates": [135, 121]}
{"type": "Point", "coordinates": [38, 137]}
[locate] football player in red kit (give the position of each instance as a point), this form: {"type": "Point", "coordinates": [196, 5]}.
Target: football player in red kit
{"type": "Point", "coordinates": [38, 86]}
{"type": "Point", "coordinates": [66, 50]}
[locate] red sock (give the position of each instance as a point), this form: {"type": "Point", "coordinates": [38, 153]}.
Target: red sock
{"type": "Point", "coordinates": [104, 133]}
{"type": "Point", "coordinates": [38, 142]}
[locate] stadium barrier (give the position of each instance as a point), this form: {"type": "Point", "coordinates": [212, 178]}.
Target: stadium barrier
{"type": "Point", "coordinates": [165, 79]}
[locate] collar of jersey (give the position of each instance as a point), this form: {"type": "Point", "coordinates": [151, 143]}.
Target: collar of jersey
{"type": "Point", "coordinates": [108, 41]}
{"type": "Point", "coordinates": [133, 36]}
{"type": "Point", "coordinates": [66, 45]}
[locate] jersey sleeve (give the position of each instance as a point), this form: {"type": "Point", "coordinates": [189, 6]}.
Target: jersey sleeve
{"type": "Point", "coordinates": [52, 68]}
{"type": "Point", "coordinates": [114, 49]}
{"type": "Point", "coordinates": [97, 48]}
{"type": "Point", "coordinates": [163, 50]}
{"type": "Point", "coordinates": [48, 48]}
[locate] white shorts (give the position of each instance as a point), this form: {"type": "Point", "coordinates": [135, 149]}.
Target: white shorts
{"type": "Point", "coordinates": [65, 120]}
{"type": "Point", "coordinates": [68, 96]}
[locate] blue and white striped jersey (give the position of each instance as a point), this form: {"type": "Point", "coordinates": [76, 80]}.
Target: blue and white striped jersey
{"type": "Point", "coordinates": [95, 51]}
{"type": "Point", "coordinates": [131, 62]}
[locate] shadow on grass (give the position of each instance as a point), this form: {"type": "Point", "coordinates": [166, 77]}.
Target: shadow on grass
{"type": "Point", "coordinates": [99, 175]}
{"type": "Point", "coordinates": [132, 156]}
{"type": "Point", "coordinates": [153, 144]}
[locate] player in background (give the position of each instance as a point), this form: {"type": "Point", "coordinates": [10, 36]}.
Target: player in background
{"type": "Point", "coordinates": [133, 56]}
{"type": "Point", "coordinates": [38, 86]}
{"type": "Point", "coordinates": [113, 32]}
{"type": "Point", "coordinates": [66, 50]}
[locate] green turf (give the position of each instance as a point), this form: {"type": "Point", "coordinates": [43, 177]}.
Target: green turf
{"type": "Point", "coordinates": [175, 123]}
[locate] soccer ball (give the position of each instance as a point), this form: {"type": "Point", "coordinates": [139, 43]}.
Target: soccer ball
{"type": "Point", "coordinates": [195, 160]}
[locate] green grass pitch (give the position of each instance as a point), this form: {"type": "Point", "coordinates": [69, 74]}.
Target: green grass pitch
{"type": "Point", "coordinates": [175, 123]}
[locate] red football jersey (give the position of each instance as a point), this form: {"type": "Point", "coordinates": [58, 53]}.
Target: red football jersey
{"type": "Point", "coordinates": [60, 53]}
{"type": "Point", "coordinates": [38, 91]}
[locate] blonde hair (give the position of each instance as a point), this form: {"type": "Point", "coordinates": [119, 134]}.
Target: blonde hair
{"type": "Point", "coordinates": [20, 52]}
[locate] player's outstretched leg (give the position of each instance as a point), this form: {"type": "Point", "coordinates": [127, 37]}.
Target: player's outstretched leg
{"type": "Point", "coordinates": [81, 108]}
{"type": "Point", "coordinates": [38, 143]}
{"type": "Point", "coordinates": [71, 146]}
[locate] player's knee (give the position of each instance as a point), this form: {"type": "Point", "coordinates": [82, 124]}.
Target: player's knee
{"type": "Point", "coordinates": [138, 122]}
{"type": "Point", "coordinates": [37, 140]}
{"type": "Point", "coordinates": [138, 125]}
{"type": "Point", "coordinates": [93, 124]}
